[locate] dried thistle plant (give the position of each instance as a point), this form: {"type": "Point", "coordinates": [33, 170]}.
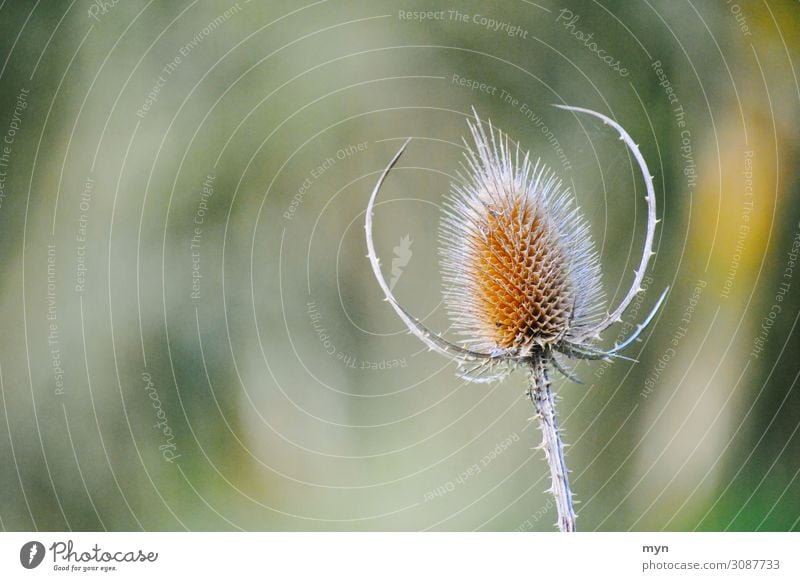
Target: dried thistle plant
{"type": "Point", "coordinates": [522, 278]}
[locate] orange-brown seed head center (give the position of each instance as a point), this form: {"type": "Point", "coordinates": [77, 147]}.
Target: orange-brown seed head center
{"type": "Point", "coordinates": [519, 282]}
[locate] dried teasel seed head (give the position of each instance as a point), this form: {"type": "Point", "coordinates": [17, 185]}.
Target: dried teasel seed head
{"type": "Point", "coordinates": [519, 264]}
{"type": "Point", "coordinates": [522, 277]}
{"type": "Point", "coordinates": [521, 273]}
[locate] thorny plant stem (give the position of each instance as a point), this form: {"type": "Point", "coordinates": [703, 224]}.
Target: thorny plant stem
{"type": "Point", "coordinates": [541, 395]}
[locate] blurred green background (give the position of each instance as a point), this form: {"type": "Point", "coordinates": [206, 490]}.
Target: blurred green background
{"type": "Point", "coordinates": [191, 334]}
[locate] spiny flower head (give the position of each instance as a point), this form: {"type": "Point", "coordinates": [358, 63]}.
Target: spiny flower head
{"type": "Point", "coordinates": [522, 279]}
{"type": "Point", "coordinates": [520, 270]}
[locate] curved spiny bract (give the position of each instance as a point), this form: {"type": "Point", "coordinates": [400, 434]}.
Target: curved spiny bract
{"type": "Point", "coordinates": [433, 341]}
{"type": "Point", "coordinates": [647, 249]}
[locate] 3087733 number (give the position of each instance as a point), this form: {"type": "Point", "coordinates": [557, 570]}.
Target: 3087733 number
{"type": "Point", "coordinates": [752, 564]}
